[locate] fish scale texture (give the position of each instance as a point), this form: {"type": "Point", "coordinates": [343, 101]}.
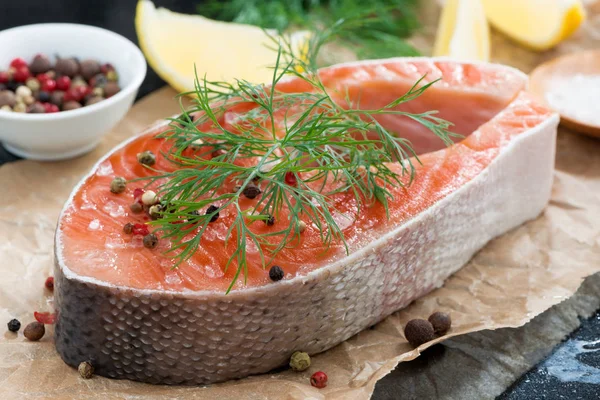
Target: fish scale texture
{"type": "Point", "coordinates": [201, 338]}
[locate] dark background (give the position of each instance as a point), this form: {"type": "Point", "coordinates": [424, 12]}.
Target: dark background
{"type": "Point", "coordinates": [118, 16]}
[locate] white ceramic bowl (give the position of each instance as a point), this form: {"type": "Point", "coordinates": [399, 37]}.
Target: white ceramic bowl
{"type": "Point", "coordinates": [69, 134]}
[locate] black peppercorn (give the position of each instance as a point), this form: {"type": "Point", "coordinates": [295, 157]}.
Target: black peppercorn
{"type": "Point", "coordinates": [150, 241]}
{"type": "Point", "coordinates": [211, 209]}
{"type": "Point", "coordinates": [276, 273]}
{"type": "Point", "coordinates": [128, 228]}
{"type": "Point", "coordinates": [14, 325]}
{"type": "Point", "coordinates": [270, 220]}
{"type": "Point", "coordinates": [136, 208]}
{"type": "Point", "coordinates": [418, 331]}
{"type": "Point", "coordinates": [441, 322]}
{"type": "Point", "coordinates": [251, 191]}
{"type": "Point", "coordinates": [43, 97]}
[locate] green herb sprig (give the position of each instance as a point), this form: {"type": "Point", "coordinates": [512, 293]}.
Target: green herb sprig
{"type": "Point", "coordinates": [384, 24]}
{"type": "Point", "coordinates": [326, 147]}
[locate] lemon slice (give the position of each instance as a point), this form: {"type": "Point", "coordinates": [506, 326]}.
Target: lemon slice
{"type": "Point", "coordinates": [463, 32]}
{"type": "Point", "coordinates": [537, 24]}
{"type": "Point", "coordinates": [174, 43]}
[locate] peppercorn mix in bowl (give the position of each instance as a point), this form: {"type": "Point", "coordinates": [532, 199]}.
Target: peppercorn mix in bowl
{"type": "Point", "coordinates": [63, 86]}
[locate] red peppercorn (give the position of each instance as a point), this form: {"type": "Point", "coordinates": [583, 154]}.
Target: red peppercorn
{"type": "Point", "coordinates": [49, 283]}
{"type": "Point", "coordinates": [140, 229]}
{"type": "Point", "coordinates": [137, 194]}
{"type": "Point", "coordinates": [4, 78]}
{"type": "Point", "coordinates": [45, 318]}
{"type": "Point", "coordinates": [18, 63]}
{"type": "Point", "coordinates": [319, 379]}
{"type": "Point", "coordinates": [63, 83]}
{"type": "Point", "coordinates": [106, 67]}
{"type": "Point", "coordinates": [50, 108]}
{"type": "Point", "coordinates": [49, 85]}
{"type": "Point", "coordinates": [21, 74]}
{"type": "Point", "coordinates": [76, 93]}
{"type": "Point", "coordinates": [42, 77]}
{"type": "Point", "coordinates": [291, 179]}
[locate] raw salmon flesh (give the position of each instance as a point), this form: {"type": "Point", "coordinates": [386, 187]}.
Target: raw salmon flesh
{"type": "Point", "coordinates": [122, 307]}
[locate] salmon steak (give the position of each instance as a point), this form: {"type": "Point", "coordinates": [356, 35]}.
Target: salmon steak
{"type": "Point", "coordinates": [126, 308]}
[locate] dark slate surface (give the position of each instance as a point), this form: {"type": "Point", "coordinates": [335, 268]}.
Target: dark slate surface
{"type": "Point", "coordinates": [582, 366]}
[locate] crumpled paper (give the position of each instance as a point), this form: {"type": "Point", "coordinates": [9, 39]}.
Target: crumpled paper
{"type": "Point", "coordinates": [511, 280]}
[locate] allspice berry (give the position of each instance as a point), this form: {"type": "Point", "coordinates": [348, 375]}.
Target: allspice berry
{"type": "Point", "coordinates": [418, 331]}
{"type": "Point", "coordinates": [34, 331]}
{"type": "Point", "coordinates": [7, 98]}
{"type": "Point", "coordinates": [36, 108]}
{"type": "Point", "coordinates": [57, 97]}
{"type": "Point", "coordinates": [89, 68]}
{"type": "Point", "coordinates": [111, 88]}
{"type": "Point", "coordinates": [86, 370]}
{"type": "Point", "coordinates": [93, 100]}
{"type": "Point", "coordinates": [40, 64]}
{"type": "Point", "coordinates": [67, 66]}
{"type": "Point", "coordinates": [150, 241]}
{"type": "Point", "coordinates": [299, 361]}
{"type": "Point", "coordinates": [441, 322]}
{"type": "Point", "coordinates": [118, 185]}
{"type": "Point", "coordinates": [71, 105]}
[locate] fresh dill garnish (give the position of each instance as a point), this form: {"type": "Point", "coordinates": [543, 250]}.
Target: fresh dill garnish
{"type": "Point", "coordinates": [301, 147]}
{"type": "Point", "coordinates": [385, 24]}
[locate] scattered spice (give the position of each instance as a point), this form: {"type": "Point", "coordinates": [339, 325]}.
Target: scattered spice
{"type": "Point", "coordinates": [149, 198]}
{"type": "Point", "coordinates": [441, 322]}
{"type": "Point", "coordinates": [276, 273]}
{"type": "Point", "coordinates": [45, 318]}
{"type": "Point", "coordinates": [86, 370]}
{"type": "Point", "coordinates": [146, 158]}
{"type": "Point", "coordinates": [236, 188]}
{"type": "Point", "coordinates": [270, 220]}
{"type": "Point", "coordinates": [34, 331]}
{"type": "Point", "coordinates": [136, 208]}
{"type": "Point", "coordinates": [418, 331]}
{"type": "Point", "coordinates": [251, 191]}
{"type": "Point", "coordinates": [14, 325]}
{"type": "Point", "coordinates": [140, 229]}
{"type": "Point", "coordinates": [49, 283]}
{"type": "Point", "coordinates": [218, 153]}
{"type": "Point", "coordinates": [118, 185]}
{"type": "Point", "coordinates": [213, 209]}
{"type": "Point", "coordinates": [301, 226]}
{"type": "Point", "coordinates": [196, 144]}
{"type": "Point", "coordinates": [291, 179]}
{"type": "Point", "coordinates": [155, 211]}
{"type": "Point", "coordinates": [150, 241]}
{"type": "Point", "coordinates": [319, 379]}
{"type": "Point", "coordinates": [300, 361]}
{"type": "Point", "coordinates": [128, 228]}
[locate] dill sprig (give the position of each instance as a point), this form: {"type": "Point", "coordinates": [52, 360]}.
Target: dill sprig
{"type": "Point", "coordinates": [385, 24]}
{"type": "Point", "coordinates": [326, 144]}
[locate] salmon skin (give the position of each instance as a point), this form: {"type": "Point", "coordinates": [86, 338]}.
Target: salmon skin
{"type": "Point", "coordinates": [123, 308]}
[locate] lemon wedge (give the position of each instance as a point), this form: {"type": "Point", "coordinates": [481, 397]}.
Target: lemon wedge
{"type": "Point", "coordinates": [174, 43]}
{"type": "Point", "coordinates": [537, 24]}
{"type": "Point", "coordinates": [463, 32]}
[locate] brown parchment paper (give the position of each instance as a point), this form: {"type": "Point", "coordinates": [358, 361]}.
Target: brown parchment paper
{"type": "Point", "coordinates": [511, 280]}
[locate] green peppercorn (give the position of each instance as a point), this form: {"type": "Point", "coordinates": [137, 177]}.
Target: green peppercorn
{"type": "Point", "coordinates": [33, 84]}
{"type": "Point", "coordinates": [118, 185]}
{"type": "Point", "coordinates": [150, 241]}
{"type": "Point", "coordinates": [155, 211]}
{"type": "Point", "coordinates": [301, 226]}
{"type": "Point", "coordinates": [86, 370]}
{"type": "Point", "coordinates": [300, 361]}
{"type": "Point", "coordinates": [112, 75]}
{"type": "Point", "coordinates": [146, 158]}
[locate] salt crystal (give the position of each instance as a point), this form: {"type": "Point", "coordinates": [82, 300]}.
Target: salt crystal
{"type": "Point", "coordinates": [94, 225]}
{"type": "Point", "coordinates": [577, 97]}
{"type": "Point", "coordinates": [104, 169]}
{"type": "Point", "coordinates": [113, 209]}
